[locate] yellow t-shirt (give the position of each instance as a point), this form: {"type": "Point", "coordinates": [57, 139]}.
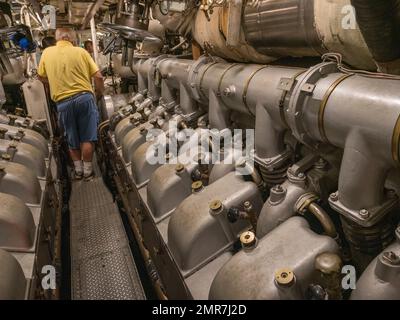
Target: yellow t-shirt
{"type": "Point", "coordinates": [69, 70]}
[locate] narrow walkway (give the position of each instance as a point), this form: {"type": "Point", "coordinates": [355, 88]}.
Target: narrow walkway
{"type": "Point", "coordinates": [102, 266]}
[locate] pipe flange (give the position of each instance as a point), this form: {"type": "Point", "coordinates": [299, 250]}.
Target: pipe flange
{"type": "Point", "coordinates": [302, 91]}
{"type": "Point", "coordinates": [154, 71]}
{"type": "Point", "coordinates": [365, 217]}
{"type": "Point", "coordinates": [194, 82]}
{"type": "Point", "coordinates": [273, 163]}
{"type": "Point", "coordinates": [304, 202]}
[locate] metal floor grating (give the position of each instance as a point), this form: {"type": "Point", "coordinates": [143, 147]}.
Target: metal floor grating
{"type": "Point", "coordinates": [102, 266]}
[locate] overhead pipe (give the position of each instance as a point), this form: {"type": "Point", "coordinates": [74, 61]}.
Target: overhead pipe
{"type": "Point", "coordinates": [379, 24]}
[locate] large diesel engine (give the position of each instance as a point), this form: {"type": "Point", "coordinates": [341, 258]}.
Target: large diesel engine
{"type": "Point", "coordinates": [247, 150]}
{"type": "Point", "coordinates": [292, 213]}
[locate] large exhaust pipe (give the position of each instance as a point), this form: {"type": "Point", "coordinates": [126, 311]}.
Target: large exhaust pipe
{"type": "Point", "coordinates": [378, 22]}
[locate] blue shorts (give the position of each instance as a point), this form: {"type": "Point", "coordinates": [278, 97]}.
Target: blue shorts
{"type": "Point", "coordinates": [79, 117]}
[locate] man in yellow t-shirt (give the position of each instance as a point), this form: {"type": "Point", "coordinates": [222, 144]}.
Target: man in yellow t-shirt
{"type": "Point", "coordinates": [69, 70]}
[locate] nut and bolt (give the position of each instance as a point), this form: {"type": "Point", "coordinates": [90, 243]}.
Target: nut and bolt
{"type": "Point", "coordinates": [334, 196]}
{"type": "Point", "coordinates": [142, 130]}
{"type": "Point", "coordinates": [3, 132]}
{"type": "Point", "coordinates": [179, 168]}
{"type": "Point", "coordinates": [248, 206]}
{"type": "Point", "coordinates": [248, 240]}
{"type": "Point", "coordinates": [278, 189]}
{"type": "Point", "coordinates": [320, 164]}
{"type": "Point", "coordinates": [364, 213]}
{"type": "Point", "coordinates": [391, 258]}
{"type": "Point", "coordinates": [12, 120]}
{"type": "Point", "coordinates": [398, 233]}
{"type": "Point", "coordinates": [168, 156]}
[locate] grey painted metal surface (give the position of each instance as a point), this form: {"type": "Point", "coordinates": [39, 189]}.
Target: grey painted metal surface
{"type": "Point", "coordinates": [17, 227]}
{"type": "Point", "coordinates": [196, 233]}
{"type": "Point", "coordinates": [102, 263]}
{"type": "Point", "coordinates": [27, 136]}
{"type": "Point", "coordinates": [381, 279]}
{"type": "Point", "coordinates": [12, 279]}
{"type": "Point", "coordinates": [24, 154]}
{"type": "Point", "coordinates": [251, 274]}
{"type": "Point", "coordinates": [20, 181]}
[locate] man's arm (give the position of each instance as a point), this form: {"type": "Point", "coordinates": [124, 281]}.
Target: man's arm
{"type": "Point", "coordinates": [43, 79]}
{"type": "Point", "coordinates": [98, 84]}
{"type": "Point", "coordinates": [41, 71]}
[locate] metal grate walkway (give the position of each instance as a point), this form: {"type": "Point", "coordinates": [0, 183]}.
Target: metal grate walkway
{"type": "Point", "coordinates": [102, 266]}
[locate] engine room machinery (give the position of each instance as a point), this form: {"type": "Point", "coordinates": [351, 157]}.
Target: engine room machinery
{"type": "Point", "coordinates": [253, 146]}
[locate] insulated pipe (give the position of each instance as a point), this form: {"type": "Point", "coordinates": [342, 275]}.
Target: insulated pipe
{"type": "Point", "coordinates": [378, 22]}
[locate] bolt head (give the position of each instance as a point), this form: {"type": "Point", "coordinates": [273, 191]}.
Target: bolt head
{"type": "Point", "coordinates": [398, 233]}
{"type": "Point", "coordinates": [334, 197]}
{"type": "Point", "coordinates": [391, 258]}
{"type": "Point", "coordinates": [179, 168]}
{"type": "Point", "coordinates": [364, 213]}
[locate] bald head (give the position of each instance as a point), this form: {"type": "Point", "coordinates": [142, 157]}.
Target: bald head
{"type": "Point", "coordinates": [66, 34]}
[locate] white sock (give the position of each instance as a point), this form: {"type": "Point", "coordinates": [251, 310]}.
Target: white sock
{"type": "Point", "coordinates": [87, 168]}
{"type": "Point", "coordinates": [78, 166]}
